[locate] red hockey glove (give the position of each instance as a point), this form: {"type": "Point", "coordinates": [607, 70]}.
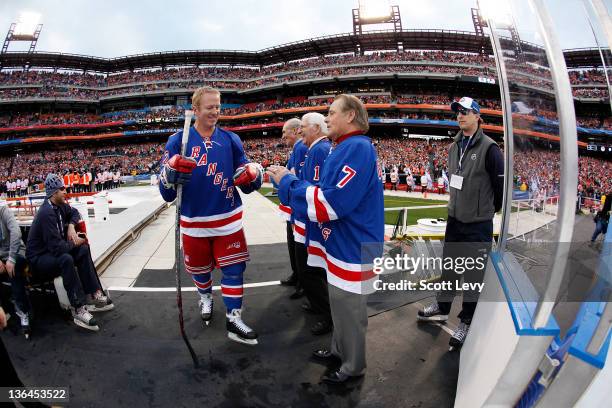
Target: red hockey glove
{"type": "Point", "coordinates": [248, 177]}
{"type": "Point", "coordinates": [177, 171]}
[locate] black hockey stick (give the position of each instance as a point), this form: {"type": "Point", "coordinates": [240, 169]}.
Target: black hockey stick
{"type": "Point", "coordinates": [177, 242]}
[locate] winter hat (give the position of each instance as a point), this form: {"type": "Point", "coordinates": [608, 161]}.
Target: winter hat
{"type": "Point", "coordinates": [52, 184]}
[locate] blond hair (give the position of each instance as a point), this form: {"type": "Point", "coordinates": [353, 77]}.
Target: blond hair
{"type": "Point", "coordinates": [352, 103]}
{"type": "Point", "coordinates": [197, 95]}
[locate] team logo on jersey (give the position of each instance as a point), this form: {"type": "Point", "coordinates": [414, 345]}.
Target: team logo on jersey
{"type": "Point", "coordinates": [166, 157]}
{"type": "Point", "coordinates": [326, 233]}
{"type": "Point", "coordinates": [235, 245]}
{"type": "Point", "coordinates": [473, 156]}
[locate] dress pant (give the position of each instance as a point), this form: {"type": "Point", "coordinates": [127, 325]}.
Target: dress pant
{"type": "Point", "coordinates": [291, 249]}
{"type": "Point", "coordinates": [350, 317]}
{"type": "Point", "coordinates": [314, 282]}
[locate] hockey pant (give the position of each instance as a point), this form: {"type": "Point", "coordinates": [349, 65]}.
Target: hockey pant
{"type": "Point", "coordinates": [229, 253]}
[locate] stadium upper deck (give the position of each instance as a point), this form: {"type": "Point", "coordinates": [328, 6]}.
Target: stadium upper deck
{"type": "Point", "coordinates": [443, 40]}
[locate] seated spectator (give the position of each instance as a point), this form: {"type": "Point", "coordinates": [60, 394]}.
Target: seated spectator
{"type": "Point", "coordinates": [54, 249]}
{"type": "Point", "coordinates": [13, 263]}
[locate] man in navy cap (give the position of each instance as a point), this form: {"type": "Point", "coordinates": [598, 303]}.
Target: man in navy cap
{"type": "Point", "coordinates": [476, 172]}
{"type": "Point", "coordinates": [54, 249]}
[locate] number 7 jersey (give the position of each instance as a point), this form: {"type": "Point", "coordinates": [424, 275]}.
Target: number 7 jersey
{"type": "Point", "coordinates": [348, 203]}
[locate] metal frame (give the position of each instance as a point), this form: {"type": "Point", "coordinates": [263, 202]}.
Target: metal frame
{"type": "Point", "coordinates": [394, 18]}
{"type": "Point", "coordinates": [568, 162]}
{"type": "Point", "coordinates": [601, 13]}
{"type": "Point", "coordinates": [504, 91]}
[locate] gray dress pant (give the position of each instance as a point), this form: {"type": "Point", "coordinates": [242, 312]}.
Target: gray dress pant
{"type": "Point", "coordinates": [350, 316]}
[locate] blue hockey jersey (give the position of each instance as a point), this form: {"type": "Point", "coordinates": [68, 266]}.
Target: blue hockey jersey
{"type": "Point", "coordinates": [348, 202]}
{"type": "Point", "coordinates": [295, 162]}
{"type": "Point", "coordinates": [210, 206]}
{"type": "Point", "coordinates": [318, 152]}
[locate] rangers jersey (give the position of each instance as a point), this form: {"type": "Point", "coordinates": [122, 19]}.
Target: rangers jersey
{"type": "Point", "coordinates": [348, 203]}
{"type": "Point", "coordinates": [210, 206]}
{"type": "Point", "coordinates": [311, 172]}
{"type": "Point", "coordinates": [295, 162]}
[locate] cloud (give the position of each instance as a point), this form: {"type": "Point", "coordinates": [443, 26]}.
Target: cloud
{"type": "Point", "coordinates": [114, 28]}
{"type": "Point", "coordinates": [209, 25]}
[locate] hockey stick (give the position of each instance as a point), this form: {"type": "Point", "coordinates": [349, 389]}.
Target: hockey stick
{"type": "Point", "coordinates": [178, 243]}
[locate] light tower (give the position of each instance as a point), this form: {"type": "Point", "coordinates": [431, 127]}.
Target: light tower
{"type": "Point", "coordinates": [376, 12]}
{"type": "Point", "coordinates": [485, 11]}
{"type": "Point", "coordinates": [26, 29]}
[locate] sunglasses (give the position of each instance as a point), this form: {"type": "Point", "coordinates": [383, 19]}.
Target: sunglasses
{"type": "Point", "coordinates": [464, 111]}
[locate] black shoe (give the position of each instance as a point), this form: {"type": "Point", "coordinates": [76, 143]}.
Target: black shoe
{"type": "Point", "coordinates": [325, 356]}
{"type": "Point", "coordinates": [308, 308]}
{"type": "Point", "coordinates": [297, 294]}
{"type": "Point", "coordinates": [337, 377]}
{"type": "Point", "coordinates": [321, 327]}
{"type": "Point", "coordinates": [290, 281]}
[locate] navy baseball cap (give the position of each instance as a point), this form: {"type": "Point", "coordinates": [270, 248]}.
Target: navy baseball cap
{"type": "Point", "coordinates": [467, 103]}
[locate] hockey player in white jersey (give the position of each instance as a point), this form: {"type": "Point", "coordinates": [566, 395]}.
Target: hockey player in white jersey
{"type": "Point", "coordinates": [211, 209]}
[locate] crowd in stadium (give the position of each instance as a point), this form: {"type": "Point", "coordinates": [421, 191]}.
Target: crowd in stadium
{"type": "Point", "coordinates": [64, 85]}
{"type": "Point", "coordinates": [136, 158]}
{"type": "Point", "coordinates": [533, 166]}
{"type": "Point", "coordinates": [245, 73]}
{"type": "Point", "coordinates": [168, 112]}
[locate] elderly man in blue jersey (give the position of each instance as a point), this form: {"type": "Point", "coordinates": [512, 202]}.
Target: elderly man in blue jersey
{"type": "Point", "coordinates": [348, 205]}
{"type": "Point", "coordinates": [307, 252]}
{"type": "Point", "coordinates": [291, 135]}
{"type": "Point", "coordinates": [211, 211]}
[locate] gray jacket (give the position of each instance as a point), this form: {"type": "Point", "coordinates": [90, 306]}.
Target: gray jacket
{"type": "Point", "coordinates": [475, 201]}
{"type": "Point", "coordinates": [10, 236]}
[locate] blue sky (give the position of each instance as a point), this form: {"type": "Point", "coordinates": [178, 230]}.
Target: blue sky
{"type": "Point", "coordinates": [112, 28]}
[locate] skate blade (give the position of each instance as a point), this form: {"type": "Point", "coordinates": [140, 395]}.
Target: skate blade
{"type": "Point", "coordinates": [83, 325]}
{"type": "Point", "coordinates": [238, 339]}
{"type": "Point", "coordinates": [94, 309]}
{"type": "Point", "coordinates": [439, 319]}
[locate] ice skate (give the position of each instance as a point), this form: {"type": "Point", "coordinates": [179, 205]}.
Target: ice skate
{"type": "Point", "coordinates": [24, 321]}
{"type": "Point", "coordinates": [83, 318]}
{"type": "Point", "coordinates": [431, 313]}
{"type": "Point", "coordinates": [99, 302]}
{"type": "Point", "coordinates": [205, 304]}
{"type": "Point", "coordinates": [458, 338]}
{"type": "Point", "coordinates": [238, 331]}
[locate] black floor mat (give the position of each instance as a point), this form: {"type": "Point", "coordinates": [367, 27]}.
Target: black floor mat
{"type": "Point", "coordinates": [270, 263]}
{"type": "Point", "coordinates": [139, 358]}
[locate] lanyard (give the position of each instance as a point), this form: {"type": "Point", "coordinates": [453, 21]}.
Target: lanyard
{"type": "Point", "coordinates": [463, 151]}
{"type": "Point", "coordinates": [59, 222]}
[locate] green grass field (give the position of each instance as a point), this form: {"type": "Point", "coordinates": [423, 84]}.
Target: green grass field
{"type": "Point", "coordinates": [391, 202]}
